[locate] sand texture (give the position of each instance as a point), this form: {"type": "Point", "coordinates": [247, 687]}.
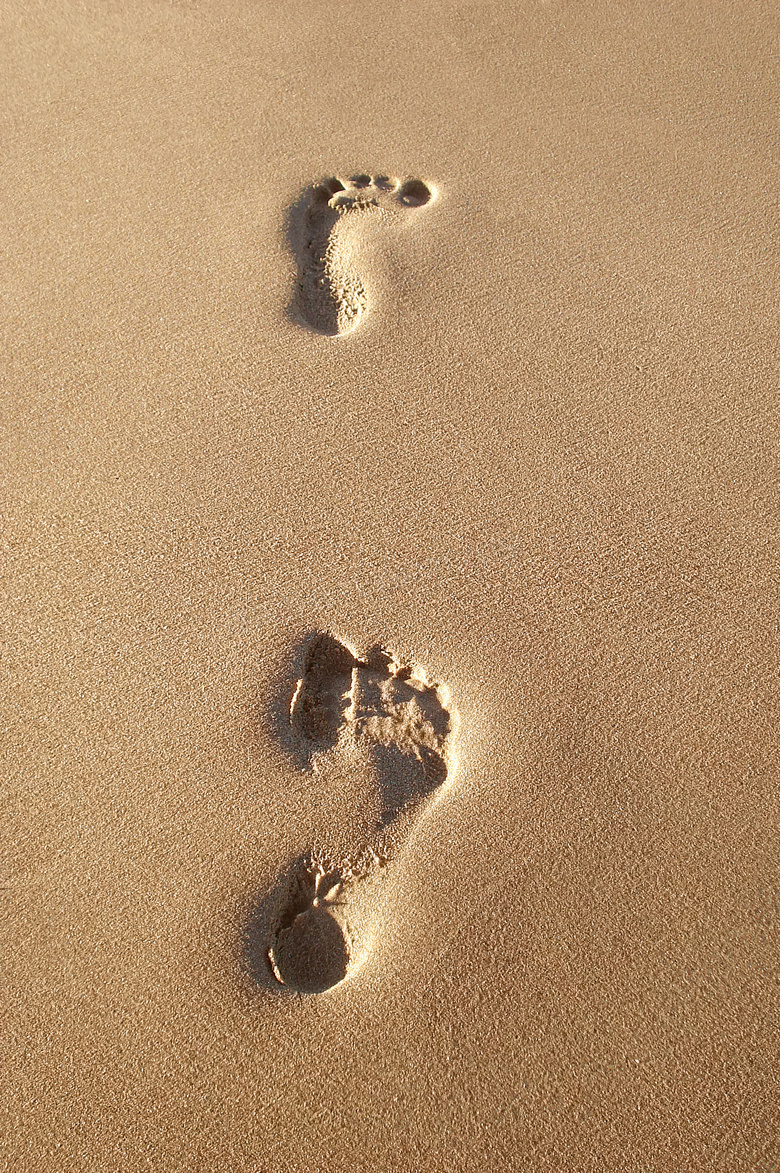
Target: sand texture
{"type": "Point", "coordinates": [390, 680]}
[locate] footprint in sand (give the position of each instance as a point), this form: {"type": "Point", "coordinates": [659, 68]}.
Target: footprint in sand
{"type": "Point", "coordinates": [327, 232]}
{"type": "Point", "coordinates": [400, 728]}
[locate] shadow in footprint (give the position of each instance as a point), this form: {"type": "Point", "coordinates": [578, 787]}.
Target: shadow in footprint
{"type": "Point", "coordinates": [310, 948]}
{"type": "Point", "coordinates": [294, 668]}
{"type": "Point", "coordinates": [404, 782]}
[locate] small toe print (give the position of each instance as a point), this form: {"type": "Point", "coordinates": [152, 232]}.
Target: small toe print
{"type": "Point", "coordinates": [414, 193]}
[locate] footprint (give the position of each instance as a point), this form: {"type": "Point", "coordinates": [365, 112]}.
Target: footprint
{"type": "Point", "coordinates": [327, 232]}
{"type": "Point", "coordinates": [401, 728]}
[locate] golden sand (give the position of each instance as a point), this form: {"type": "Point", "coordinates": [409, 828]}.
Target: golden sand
{"type": "Point", "coordinates": [533, 451]}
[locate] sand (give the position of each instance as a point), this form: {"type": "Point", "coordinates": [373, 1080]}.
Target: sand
{"type": "Point", "coordinates": [538, 465]}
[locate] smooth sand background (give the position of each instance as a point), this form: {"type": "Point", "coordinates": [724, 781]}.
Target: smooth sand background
{"type": "Point", "coordinates": [545, 467]}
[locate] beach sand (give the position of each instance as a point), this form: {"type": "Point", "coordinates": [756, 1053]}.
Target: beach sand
{"type": "Point", "coordinates": [529, 447]}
